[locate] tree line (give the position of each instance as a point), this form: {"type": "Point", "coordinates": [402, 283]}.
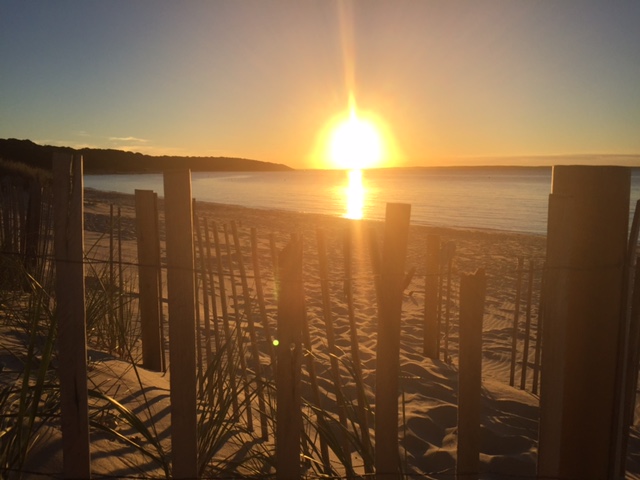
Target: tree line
{"type": "Point", "coordinates": [97, 160]}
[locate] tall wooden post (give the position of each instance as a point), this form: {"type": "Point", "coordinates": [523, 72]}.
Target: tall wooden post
{"type": "Point", "coordinates": [472, 296]}
{"type": "Point", "coordinates": [431, 340]}
{"type": "Point", "coordinates": [182, 335]}
{"type": "Point", "coordinates": [148, 273]}
{"type": "Point", "coordinates": [586, 242]}
{"type": "Point", "coordinates": [70, 313]}
{"type": "Point", "coordinates": [289, 353]}
{"type": "Point", "coordinates": [396, 235]}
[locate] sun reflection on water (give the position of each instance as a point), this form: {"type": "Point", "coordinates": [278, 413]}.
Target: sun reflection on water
{"type": "Point", "coordinates": [355, 193]}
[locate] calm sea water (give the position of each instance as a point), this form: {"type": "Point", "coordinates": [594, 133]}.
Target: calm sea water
{"type": "Point", "coordinates": [512, 199]}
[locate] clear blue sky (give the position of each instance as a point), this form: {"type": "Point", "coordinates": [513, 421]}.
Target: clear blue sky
{"type": "Point", "coordinates": [260, 79]}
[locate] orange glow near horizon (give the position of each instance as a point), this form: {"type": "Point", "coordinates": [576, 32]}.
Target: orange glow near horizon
{"type": "Point", "coordinates": [355, 194]}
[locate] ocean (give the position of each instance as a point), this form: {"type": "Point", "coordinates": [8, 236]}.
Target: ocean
{"type": "Point", "coordinates": [496, 198]}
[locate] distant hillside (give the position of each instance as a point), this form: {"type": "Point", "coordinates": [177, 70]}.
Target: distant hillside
{"type": "Point", "coordinates": [116, 161]}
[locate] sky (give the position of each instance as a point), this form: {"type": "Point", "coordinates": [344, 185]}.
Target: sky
{"type": "Point", "coordinates": [448, 82]}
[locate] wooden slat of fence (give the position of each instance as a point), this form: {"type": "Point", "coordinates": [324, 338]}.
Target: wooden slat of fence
{"type": "Point", "coordinates": [527, 327]}
{"type": "Point", "coordinates": [248, 313]}
{"type": "Point", "coordinates": [32, 227]}
{"type": "Point", "coordinates": [257, 275]}
{"type": "Point", "coordinates": [432, 275]}
{"type": "Point", "coordinates": [289, 352]}
{"type": "Point", "coordinates": [198, 320]}
{"type": "Point", "coordinates": [181, 295]}
{"type": "Point", "coordinates": [148, 272]}
{"type": "Point", "coordinates": [331, 338]}
{"type": "Point", "coordinates": [5, 208]}
{"type": "Point", "coordinates": [634, 344]}
{"type": "Point", "coordinates": [396, 236]}
{"type": "Point", "coordinates": [472, 297]}
{"type": "Point", "coordinates": [46, 231]}
{"type": "Point", "coordinates": [628, 347]}
{"type": "Point", "coordinates": [113, 311]}
{"type": "Point", "coordinates": [363, 419]}
{"type": "Point", "coordinates": [205, 291]}
{"type": "Point", "coordinates": [121, 347]}
{"type": "Point", "coordinates": [239, 330]}
{"type": "Point", "coordinates": [274, 256]}
{"type": "Point", "coordinates": [225, 322]}
{"type": "Point", "coordinates": [450, 254]}
{"type": "Point", "coordinates": [559, 233]}
{"type": "Point", "coordinates": [212, 284]}
{"type": "Point", "coordinates": [538, 347]}
{"type": "Point", "coordinates": [163, 346]}
{"type": "Point", "coordinates": [516, 318]}
{"type": "Point", "coordinates": [70, 313]}
{"type": "Point", "coordinates": [311, 369]}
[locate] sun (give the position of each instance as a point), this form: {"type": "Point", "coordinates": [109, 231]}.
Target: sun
{"type": "Point", "coordinates": [355, 139]}
{"type": "Point", "coordinates": [355, 143]}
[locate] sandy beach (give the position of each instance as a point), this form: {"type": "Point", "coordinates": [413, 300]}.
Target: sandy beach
{"type": "Point", "coordinates": [428, 417]}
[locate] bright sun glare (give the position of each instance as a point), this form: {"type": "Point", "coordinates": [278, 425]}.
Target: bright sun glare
{"type": "Point", "coordinates": [355, 143]}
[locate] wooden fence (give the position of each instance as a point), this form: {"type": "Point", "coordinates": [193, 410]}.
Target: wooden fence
{"type": "Point", "coordinates": [220, 297]}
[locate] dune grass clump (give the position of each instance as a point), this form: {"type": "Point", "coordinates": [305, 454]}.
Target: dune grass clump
{"type": "Point", "coordinates": [29, 389]}
{"type": "Point", "coordinates": [18, 169]}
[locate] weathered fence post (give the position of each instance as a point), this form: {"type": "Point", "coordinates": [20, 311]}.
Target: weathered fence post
{"type": "Point", "coordinates": [431, 305]}
{"type": "Point", "coordinates": [472, 295]}
{"type": "Point", "coordinates": [289, 353]}
{"type": "Point", "coordinates": [586, 243]}
{"type": "Point", "coordinates": [70, 313]}
{"type": "Point", "coordinates": [181, 295]}
{"type": "Point", "coordinates": [148, 273]}
{"type": "Point", "coordinates": [396, 235]}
